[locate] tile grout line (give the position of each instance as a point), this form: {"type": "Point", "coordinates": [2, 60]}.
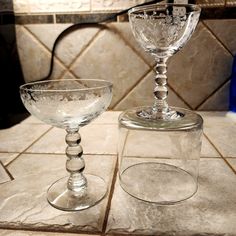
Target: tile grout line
{"type": "Point", "coordinates": [131, 46]}
{"type": "Point", "coordinates": [112, 189]}
{"type": "Point", "coordinates": [46, 48]}
{"type": "Point", "coordinates": [217, 38]}
{"type": "Point", "coordinates": [69, 67]}
{"type": "Point", "coordinates": [62, 232]}
{"type": "Point", "coordinates": [7, 171]}
{"type": "Point", "coordinates": [212, 93]}
{"type": "Point", "coordinates": [24, 151]}
{"type": "Point", "coordinates": [132, 88]}
{"type": "Point", "coordinates": [180, 97]}
{"type": "Point", "coordinates": [85, 154]}
{"type": "Point", "coordinates": [224, 158]}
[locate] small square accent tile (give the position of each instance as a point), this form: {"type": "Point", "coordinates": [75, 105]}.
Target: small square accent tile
{"type": "Point", "coordinates": [21, 136]}
{"type": "Point", "coordinates": [96, 139]}
{"type": "Point", "coordinates": [7, 157]}
{"type": "Point", "coordinates": [211, 211]}
{"type": "Point", "coordinates": [33, 19]}
{"type": "Point", "coordinates": [26, 207]}
{"type": "Point", "coordinates": [4, 177]}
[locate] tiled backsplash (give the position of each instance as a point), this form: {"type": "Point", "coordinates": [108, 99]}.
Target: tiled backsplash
{"type": "Point", "coordinates": [42, 6]}
{"type": "Point", "coordinates": [199, 75]}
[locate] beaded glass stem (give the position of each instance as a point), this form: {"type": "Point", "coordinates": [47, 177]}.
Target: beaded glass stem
{"type": "Point", "coordinates": [75, 163]}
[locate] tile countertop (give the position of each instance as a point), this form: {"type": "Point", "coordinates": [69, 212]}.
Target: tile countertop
{"type": "Point", "coordinates": [31, 155]}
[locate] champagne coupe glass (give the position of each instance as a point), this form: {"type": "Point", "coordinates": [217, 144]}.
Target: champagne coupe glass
{"type": "Point", "coordinates": [162, 30]}
{"type": "Point", "coordinates": [70, 104]}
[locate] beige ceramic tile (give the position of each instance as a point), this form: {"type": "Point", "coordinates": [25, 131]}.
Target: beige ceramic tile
{"type": "Point", "coordinates": [193, 79]}
{"type": "Point", "coordinates": [142, 95]}
{"type": "Point", "coordinates": [24, 203]}
{"type": "Point", "coordinates": [124, 30]}
{"type": "Point", "coordinates": [210, 3]}
{"type": "Point", "coordinates": [230, 3]}
{"type": "Point", "coordinates": [41, 6]}
{"type": "Point", "coordinates": [212, 211]}
{"type": "Point", "coordinates": [104, 5]}
{"type": "Point", "coordinates": [214, 116]}
{"type": "Point", "coordinates": [70, 45]}
{"type": "Point", "coordinates": [225, 30]}
{"type": "Point", "coordinates": [208, 149]}
{"type": "Point", "coordinates": [219, 101]}
{"type": "Point", "coordinates": [232, 116]}
{"type": "Point", "coordinates": [96, 139]}
{"type": "Point", "coordinates": [117, 64]}
{"type": "Point", "coordinates": [220, 129]}
{"type": "Point", "coordinates": [35, 59]}
{"type": "Point", "coordinates": [5, 232]}
{"type": "Point", "coordinates": [7, 157]}
{"type": "Point", "coordinates": [109, 117]}
{"type": "Point", "coordinates": [59, 6]}
{"type": "Point", "coordinates": [19, 137]}
{"type": "Point", "coordinates": [32, 120]}
{"type": "Point", "coordinates": [46, 33]}
{"type": "Point", "coordinates": [4, 177]}
{"type": "Point", "coordinates": [21, 6]}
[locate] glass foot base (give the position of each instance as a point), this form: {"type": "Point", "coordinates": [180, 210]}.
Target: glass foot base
{"type": "Point", "coordinates": [158, 183]}
{"type": "Point", "coordinates": [63, 199]}
{"type": "Point", "coordinates": [138, 118]}
{"type": "Point", "coordinates": [150, 114]}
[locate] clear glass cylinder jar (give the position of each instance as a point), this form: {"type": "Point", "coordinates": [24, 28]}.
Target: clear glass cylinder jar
{"type": "Point", "coordinates": [159, 159]}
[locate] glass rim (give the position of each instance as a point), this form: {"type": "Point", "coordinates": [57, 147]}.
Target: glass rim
{"type": "Point", "coordinates": [104, 83]}
{"type": "Point", "coordinates": [195, 7]}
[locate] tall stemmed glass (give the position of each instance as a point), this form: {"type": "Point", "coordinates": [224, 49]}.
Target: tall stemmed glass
{"type": "Point", "coordinates": [70, 104]}
{"type": "Point", "coordinates": [162, 30]}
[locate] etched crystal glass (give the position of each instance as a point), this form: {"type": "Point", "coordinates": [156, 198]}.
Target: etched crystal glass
{"type": "Point", "coordinates": [159, 146]}
{"type": "Point", "coordinates": [70, 104]}
{"type": "Point", "coordinates": [162, 30]}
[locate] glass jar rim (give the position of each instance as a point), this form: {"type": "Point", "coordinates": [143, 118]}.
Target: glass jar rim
{"type": "Point", "coordinates": [27, 87]}
{"type": "Point", "coordinates": [196, 8]}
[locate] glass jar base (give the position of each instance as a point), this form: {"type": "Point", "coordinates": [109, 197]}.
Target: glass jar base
{"type": "Point", "coordinates": [187, 120]}
{"type": "Point", "coordinates": [63, 199]}
{"type": "Point", "coordinates": [159, 183]}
